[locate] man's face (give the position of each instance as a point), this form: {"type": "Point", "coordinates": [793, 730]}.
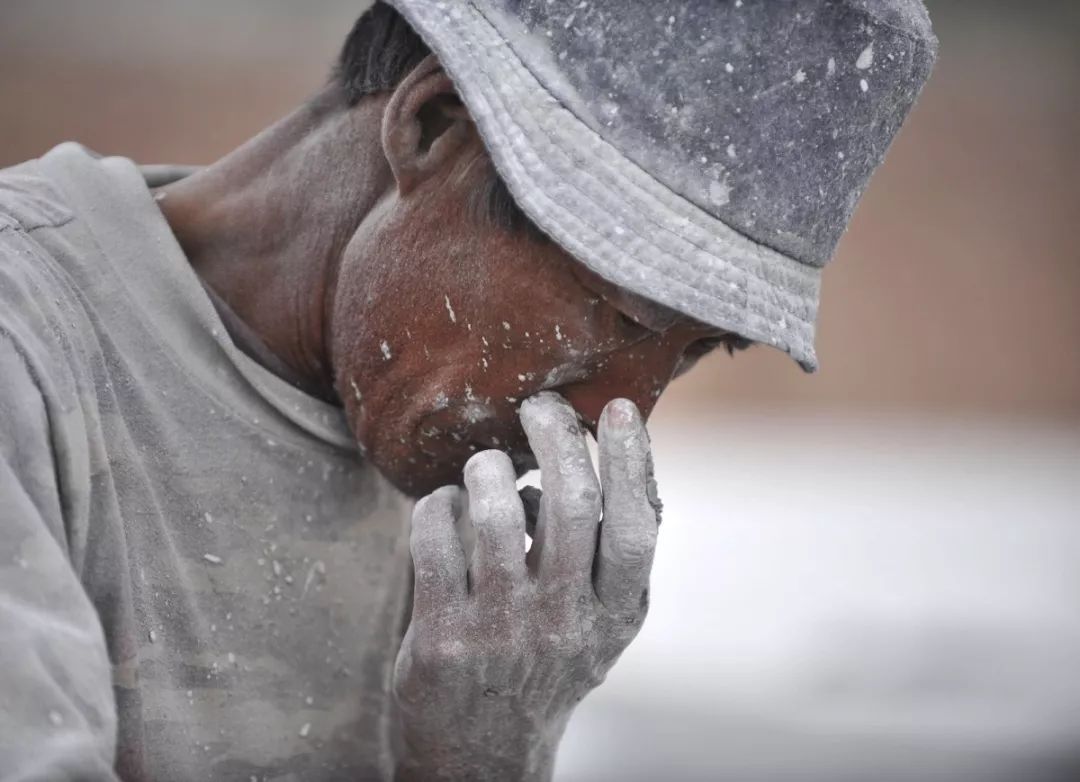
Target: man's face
{"type": "Point", "coordinates": [444, 322]}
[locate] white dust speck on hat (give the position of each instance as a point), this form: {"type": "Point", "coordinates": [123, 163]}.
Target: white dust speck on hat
{"type": "Point", "coordinates": [866, 59]}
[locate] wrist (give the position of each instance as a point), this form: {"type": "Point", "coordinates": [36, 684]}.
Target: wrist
{"type": "Point", "coordinates": [468, 748]}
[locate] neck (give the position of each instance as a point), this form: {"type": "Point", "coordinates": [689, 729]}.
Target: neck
{"type": "Point", "coordinates": [266, 226]}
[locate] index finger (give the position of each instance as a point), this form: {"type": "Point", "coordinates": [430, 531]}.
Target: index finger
{"type": "Point", "coordinates": [438, 557]}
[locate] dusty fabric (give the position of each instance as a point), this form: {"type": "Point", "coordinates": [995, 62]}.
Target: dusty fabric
{"type": "Point", "coordinates": [199, 578]}
{"type": "Point", "coordinates": [706, 154]}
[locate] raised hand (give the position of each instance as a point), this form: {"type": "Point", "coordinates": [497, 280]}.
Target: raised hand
{"type": "Point", "coordinates": [499, 652]}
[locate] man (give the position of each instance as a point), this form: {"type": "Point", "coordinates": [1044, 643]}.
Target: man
{"type": "Point", "coordinates": [217, 390]}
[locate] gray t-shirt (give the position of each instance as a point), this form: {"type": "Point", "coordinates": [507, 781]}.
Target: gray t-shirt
{"type": "Point", "coordinates": [199, 577]}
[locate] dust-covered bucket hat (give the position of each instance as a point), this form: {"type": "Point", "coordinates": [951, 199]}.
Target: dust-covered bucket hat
{"type": "Point", "coordinates": [705, 154]}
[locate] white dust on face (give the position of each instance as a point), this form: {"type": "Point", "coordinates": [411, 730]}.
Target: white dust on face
{"type": "Point", "coordinates": [475, 412]}
{"type": "Point", "coordinates": [465, 410]}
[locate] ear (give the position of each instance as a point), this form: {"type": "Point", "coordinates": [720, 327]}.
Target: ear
{"type": "Point", "coordinates": [424, 125]}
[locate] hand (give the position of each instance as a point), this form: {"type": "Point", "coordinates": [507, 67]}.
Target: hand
{"type": "Point", "coordinates": [499, 652]}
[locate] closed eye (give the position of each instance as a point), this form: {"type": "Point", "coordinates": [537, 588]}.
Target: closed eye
{"type": "Point", "coordinates": [703, 347]}
{"type": "Point", "coordinates": [631, 327]}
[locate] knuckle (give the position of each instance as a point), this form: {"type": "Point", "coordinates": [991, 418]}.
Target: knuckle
{"type": "Point", "coordinates": [439, 653]}
{"type": "Point", "coordinates": [594, 678]}
{"type": "Point", "coordinates": [634, 550]}
{"type": "Point", "coordinates": [631, 617]}
{"type": "Point", "coordinates": [433, 577]}
{"type": "Point", "coordinates": [429, 658]}
{"type": "Point", "coordinates": [563, 646]}
{"type": "Point", "coordinates": [495, 512]}
{"type": "Point", "coordinates": [577, 499]}
{"type": "Point", "coordinates": [624, 633]}
{"type": "Point", "coordinates": [630, 610]}
{"type": "Point", "coordinates": [426, 544]}
{"type": "Point", "coordinates": [630, 622]}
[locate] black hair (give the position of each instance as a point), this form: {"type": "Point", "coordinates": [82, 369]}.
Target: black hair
{"type": "Point", "coordinates": [381, 50]}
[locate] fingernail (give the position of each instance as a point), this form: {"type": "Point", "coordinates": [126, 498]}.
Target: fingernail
{"type": "Point", "coordinates": [621, 413]}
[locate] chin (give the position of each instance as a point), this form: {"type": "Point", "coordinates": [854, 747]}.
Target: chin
{"type": "Point", "coordinates": [419, 481]}
{"type": "Point", "coordinates": [431, 454]}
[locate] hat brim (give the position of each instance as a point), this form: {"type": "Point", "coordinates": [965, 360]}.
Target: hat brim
{"type": "Point", "coordinates": [604, 209]}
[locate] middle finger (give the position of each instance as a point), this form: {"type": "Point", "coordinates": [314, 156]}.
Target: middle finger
{"type": "Point", "coordinates": [565, 542]}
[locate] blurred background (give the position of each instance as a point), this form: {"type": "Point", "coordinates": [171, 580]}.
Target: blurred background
{"type": "Point", "coordinates": [872, 573]}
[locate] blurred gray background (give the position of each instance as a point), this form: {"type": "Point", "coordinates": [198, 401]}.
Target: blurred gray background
{"type": "Point", "coordinates": [868, 574]}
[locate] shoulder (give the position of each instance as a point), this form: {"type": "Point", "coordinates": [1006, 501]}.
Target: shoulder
{"type": "Point", "coordinates": [39, 307]}
{"type": "Point", "coordinates": [42, 241]}
{"type": "Point", "coordinates": [29, 200]}
{"type": "Point", "coordinates": [28, 283]}
{"type": "Point", "coordinates": [31, 203]}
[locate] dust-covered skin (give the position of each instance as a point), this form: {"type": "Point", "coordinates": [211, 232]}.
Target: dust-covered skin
{"type": "Point", "coordinates": [463, 321]}
{"type": "Point", "coordinates": [430, 324]}
{"type": "Point", "coordinates": [365, 251]}
{"type": "Point", "coordinates": [348, 244]}
{"type": "Point", "coordinates": [483, 693]}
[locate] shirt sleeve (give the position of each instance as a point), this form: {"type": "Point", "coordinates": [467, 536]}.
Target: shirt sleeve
{"type": "Point", "coordinates": [57, 711]}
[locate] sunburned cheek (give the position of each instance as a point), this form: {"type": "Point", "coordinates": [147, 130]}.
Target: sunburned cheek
{"type": "Point", "coordinates": [434, 453]}
{"type": "Point", "coordinates": [419, 427]}
{"type": "Point", "coordinates": [639, 373]}
{"type": "Point", "coordinates": [427, 385]}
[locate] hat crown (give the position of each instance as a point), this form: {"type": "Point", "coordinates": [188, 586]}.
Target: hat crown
{"type": "Point", "coordinates": [770, 115]}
